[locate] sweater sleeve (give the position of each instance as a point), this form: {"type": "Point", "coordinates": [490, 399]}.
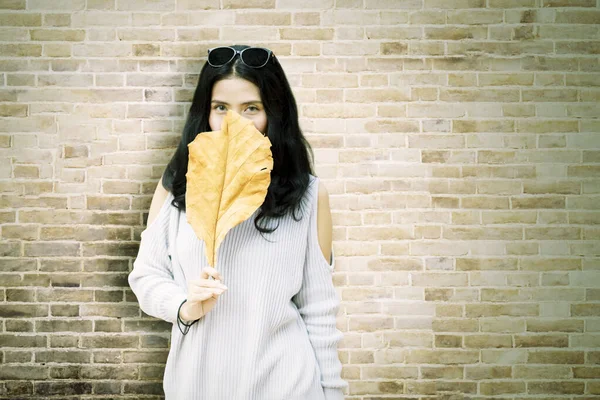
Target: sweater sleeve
{"type": "Point", "coordinates": [152, 278]}
{"type": "Point", "coordinates": [318, 304]}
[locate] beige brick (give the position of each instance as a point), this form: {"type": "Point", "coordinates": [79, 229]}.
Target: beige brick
{"type": "Point", "coordinates": [551, 264]}
{"type": "Point", "coordinates": [448, 341]}
{"type": "Point", "coordinates": [487, 341]}
{"type": "Point", "coordinates": [553, 233]}
{"type": "Point", "coordinates": [261, 33]}
{"type": "Point", "coordinates": [496, 310]}
{"type": "Point", "coordinates": [57, 50]}
{"type": "Point", "coordinates": [556, 357]}
{"type": "Point", "coordinates": [13, 110]}
{"type": "Point", "coordinates": [370, 324]}
{"type": "Point", "coordinates": [263, 18]}
{"type": "Point", "coordinates": [541, 340]}
{"type": "Point", "coordinates": [306, 34]}
{"type": "Point", "coordinates": [188, 34]}
{"type": "Point", "coordinates": [51, 249]}
{"type": "Point", "coordinates": [487, 372]}
{"type": "Point", "coordinates": [586, 372]}
{"type": "Point", "coordinates": [502, 388]}
{"type": "Point", "coordinates": [146, 50]}
{"type": "Point", "coordinates": [460, 233]}
{"type": "Point", "coordinates": [72, 35]}
{"type": "Point", "coordinates": [102, 50]}
{"type": "Point", "coordinates": [442, 356]}
{"type": "Point", "coordinates": [445, 372]}
{"type": "Point", "coordinates": [14, 5]}
{"type": "Point", "coordinates": [20, 50]}
{"type": "Point", "coordinates": [559, 387]}
{"type": "Point", "coordinates": [307, 49]}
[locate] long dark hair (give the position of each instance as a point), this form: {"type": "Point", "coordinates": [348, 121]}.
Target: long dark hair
{"type": "Point", "coordinates": [292, 154]}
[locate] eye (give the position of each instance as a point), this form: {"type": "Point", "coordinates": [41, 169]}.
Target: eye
{"type": "Point", "coordinates": [253, 108]}
{"type": "Point", "coordinates": [217, 107]}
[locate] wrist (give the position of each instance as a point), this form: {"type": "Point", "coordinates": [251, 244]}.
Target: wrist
{"type": "Point", "coordinates": [183, 313]}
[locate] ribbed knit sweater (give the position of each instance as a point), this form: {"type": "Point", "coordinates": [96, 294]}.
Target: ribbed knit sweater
{"type": "Point", "coordinates": [272, 335]}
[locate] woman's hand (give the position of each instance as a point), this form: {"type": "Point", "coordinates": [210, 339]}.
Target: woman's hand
{"type": "Point", "coordinates": [202, 295]}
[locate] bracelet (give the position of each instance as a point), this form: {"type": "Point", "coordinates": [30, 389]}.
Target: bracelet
{"type": "Point", "coordinates": [180, 321]}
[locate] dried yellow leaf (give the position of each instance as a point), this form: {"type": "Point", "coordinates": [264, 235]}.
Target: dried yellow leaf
{"type": "Point", "coordinates": [229, 173]}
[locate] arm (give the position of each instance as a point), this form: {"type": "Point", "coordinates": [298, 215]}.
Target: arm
{"type": "Point", "coordinates": [151, 278]}
{"type": "Point", "coordinates": [317, 300]}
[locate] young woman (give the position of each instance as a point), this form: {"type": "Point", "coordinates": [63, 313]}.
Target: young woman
{"type": "Point", "coordinates": [264, 326]}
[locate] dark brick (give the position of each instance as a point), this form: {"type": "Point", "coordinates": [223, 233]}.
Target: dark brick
{"type": "Point", "coordinates": [111, 310]}
{"type": "Point", "coordinates": [64, 310]}
{"type": "Point", "coordinates": [61, 265]}
{"type": "Point", "coordinates": [70, 356]}
{"type": "Point", "coordinates": [65, 295]}
{"type": "Point", "coordinates": [64, 326]}
{"type": "Point", "coordinates": [8, 340]}
{"type": "Point", "coordinates": [150, 357]}
{"type": "Point", "coordinates": [25, 279]}
{"type": "Point", "coordinates": [151, 372]}
{"type": "Point", "coordinates": [65, 372]}
{"type": "Point", "coordinates": [62, 388]}
{"type": "Point", "coordinates": [107, 325]}
{"type": "Point", "coordinates": [51, 249]}
{"type": "Point", "coordinates": [561, 387]}
{"type": "Point", "coordinates": [143, 388]}
{"type": "Point", "coordinates": [63, 341]}
{"type": "Point", "coordinates": [106, 265]}
{"type": "Point", "coordinates": [120, 372]}
{"type": "Point", "coordinates": [15, 325]}
{"type": "Point", "coordinates": [20, 372]}
{"type": "Point", "coordinates": [10, 249]}
{"type": "Point", "coordinates": [152, 341]}
{"type": "Point", "coordinates": [20, 295]}
{"type": "Point", "coordinates": [25, 356]}
{"type": "Point", "coordinates": [147, 326]}
{"type": "Point", "coordinates": [108, 357]}
{"type": "Point", "coordinates": [66, 280]}
{"type": "Point", "coordinates": [121, 248]}
{"type": "Point", "coordinates": [18, 388]}
{"type": "Point", "coordinates": [23, 310]}
{"type": "Point", "coordinates": [107, 387]}
{"type": "Point", "coordinates": [111, 296]}
{"type": "Point", "coordinates": [17, 264]}
{"type": "Point", "coordinates": [113, 280]}
{"type": "Point", "coordinates": [113, 342]}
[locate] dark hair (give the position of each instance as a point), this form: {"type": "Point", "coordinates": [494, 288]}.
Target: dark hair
{"type": "Point", "coordinates": [291, 150]}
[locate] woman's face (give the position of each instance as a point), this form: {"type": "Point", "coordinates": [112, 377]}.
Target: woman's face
{"type": "Point", "coordinates": [241, 96]}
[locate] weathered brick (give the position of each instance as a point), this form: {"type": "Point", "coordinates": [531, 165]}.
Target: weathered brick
{"type": "Point", "coordinates": [556, 357]}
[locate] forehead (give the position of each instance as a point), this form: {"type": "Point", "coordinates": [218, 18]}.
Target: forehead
{"type": "Point", "coordinates": [235, 90]}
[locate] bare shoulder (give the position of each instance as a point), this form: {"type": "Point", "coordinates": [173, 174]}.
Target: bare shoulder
{"type": "Point", "coordinates": [324, 222]}
{"type": "Point", "coordinates": [158, 199]}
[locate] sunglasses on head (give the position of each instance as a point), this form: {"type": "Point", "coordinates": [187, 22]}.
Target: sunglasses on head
{"type": "Point", "coordinates": [255, 57]}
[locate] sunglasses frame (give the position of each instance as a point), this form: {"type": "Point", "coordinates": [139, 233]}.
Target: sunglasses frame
{"type": "Point", "coordinates": [236, 52]}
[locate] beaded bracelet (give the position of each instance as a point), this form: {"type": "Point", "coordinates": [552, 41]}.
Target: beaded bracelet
{"type": "Point", "coordinates": [180, 321]}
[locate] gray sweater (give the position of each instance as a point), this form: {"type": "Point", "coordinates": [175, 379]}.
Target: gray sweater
{"type": "Point", "coordinates": [272, 335]}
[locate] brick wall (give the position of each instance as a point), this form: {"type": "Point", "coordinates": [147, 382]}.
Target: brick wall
{"type": "Point", "coordinates": [459, 140]}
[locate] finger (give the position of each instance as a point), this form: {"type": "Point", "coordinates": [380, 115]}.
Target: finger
{"type": "Point", "coordinates": [199, 297]}
{"type": "Point", "coordinates": [210, 271]}
{"type": "Point", "coordinates": [207, 290]}
{"type": "Point", "coordinates": [203, 283]}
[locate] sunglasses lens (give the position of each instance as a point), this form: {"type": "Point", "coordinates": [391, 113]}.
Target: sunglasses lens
{"type": "Point", "coordinates": [255, 57]}
{"type": "Point", "coordinates": [220, 56]}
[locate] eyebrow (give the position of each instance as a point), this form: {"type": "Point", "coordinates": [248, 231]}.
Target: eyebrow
{"type": "Point", "coordinates": [248, 102]}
